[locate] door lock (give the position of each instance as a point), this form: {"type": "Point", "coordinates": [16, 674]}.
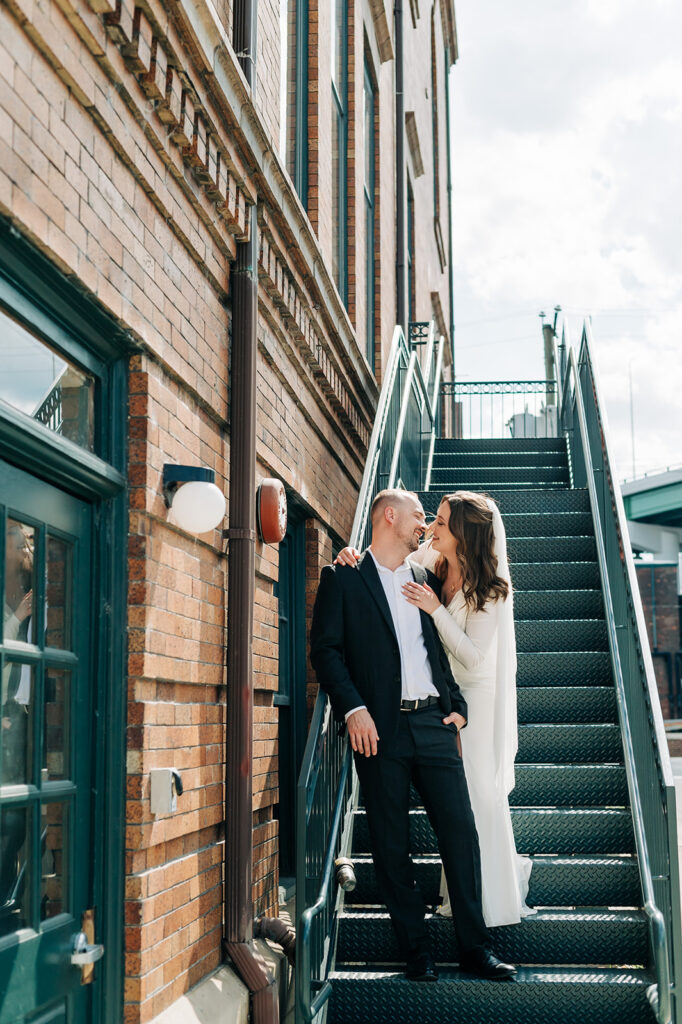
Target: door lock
{"type": "Point", "coordinates": [84, 952]}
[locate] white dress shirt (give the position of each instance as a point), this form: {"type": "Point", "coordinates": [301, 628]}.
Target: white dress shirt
{"type": "Point", "coordinates": [415, 669]}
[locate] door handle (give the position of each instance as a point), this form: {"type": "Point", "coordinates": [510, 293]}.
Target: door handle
{"type": "Point", "coordinates": [83, 952]}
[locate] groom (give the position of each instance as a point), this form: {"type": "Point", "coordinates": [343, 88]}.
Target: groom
{"type": "Point", "coordinates": [382, 664]}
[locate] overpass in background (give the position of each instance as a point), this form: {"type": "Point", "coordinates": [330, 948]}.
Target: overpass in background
{"type": "Point", "coordinates": [653, 507]}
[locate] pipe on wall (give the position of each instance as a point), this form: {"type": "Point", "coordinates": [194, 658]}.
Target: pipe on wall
{"type": "Point", "coordinates": [238, 902]}
{"type": "Point", "coordinates": [400, 171]}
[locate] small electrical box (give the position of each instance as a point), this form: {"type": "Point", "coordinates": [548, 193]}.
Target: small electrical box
{"type": "Point", "coordinates": [166, 787]}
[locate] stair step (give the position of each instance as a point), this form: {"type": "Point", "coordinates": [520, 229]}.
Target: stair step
{"type": "Point", "coordinates": [554, 881]}
{"type": "Point", "coordinates": [552, 936]}
{"type": "Point", "coordinates": [536, 996]}
{"type": "Point", "coordinates": [589, 785]}
{"type": "Point", "coordinates": [494, 476]}
{"type": "Point", "coordinates": [547, 704]}
{"type": "Point", "coordinates": [548, 524]}
{"type": "Point", "coordinates": [558, 604]}
{"type": "Point", "coordinates": [564, 668]}
{"type": "Point", "coordinates": [569, 744]}
{"type": "Point", "coordinates": [556, 576]}
{"type": "Point", "coordinates": [506, 444]}
{"type": "Point", "coordinates": [499, 457]}
{"type": "Point", "coordinates": [514, 500]}
{"type": "Point", "coordinates": [551, 549]}
{"type": "Point", "coordinates": [565, 635]}
{"type": "Point", "coordinates": [546, 830]}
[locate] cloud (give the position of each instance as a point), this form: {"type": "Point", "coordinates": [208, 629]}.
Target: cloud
{"type": "Point", "coordinates": [567, 131]}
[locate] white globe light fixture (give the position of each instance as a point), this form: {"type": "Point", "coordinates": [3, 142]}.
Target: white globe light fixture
{"type": "Point", "coordinates": [195, 503]}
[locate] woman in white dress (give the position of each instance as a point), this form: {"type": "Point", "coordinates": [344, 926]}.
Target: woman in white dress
{"type": "Point", "coordinates": [474, 616]}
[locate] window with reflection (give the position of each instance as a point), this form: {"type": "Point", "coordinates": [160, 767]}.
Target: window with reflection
{"type": "Point", "coordinates": [370, 225]}
{"type": "Point", "coordinates": [293, 92]}
{"type": "Point", "coordinates": [411, 270]}
{"type": "Point", "coordinates": [38, 381]}
{"type": "Point", "coordinates": [339, 144]}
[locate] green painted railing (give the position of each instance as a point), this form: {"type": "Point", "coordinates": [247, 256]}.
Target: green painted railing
{"type": "Point", "coordinates": [650, 782]}
{"type": "Point", "coordinates": [501, 408]}
{"type": "Point", "coordinates": [400, 454]}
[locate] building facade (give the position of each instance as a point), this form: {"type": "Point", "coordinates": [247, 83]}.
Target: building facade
{"type": "Point", "coordinates": [145, 152]}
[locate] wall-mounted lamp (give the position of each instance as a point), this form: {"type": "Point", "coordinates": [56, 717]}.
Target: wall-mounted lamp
{"type": "Point", "coordinates": [196, 504]}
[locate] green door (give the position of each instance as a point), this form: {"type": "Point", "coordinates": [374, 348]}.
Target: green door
{"type": "Point", "coordinates": [46, 844]}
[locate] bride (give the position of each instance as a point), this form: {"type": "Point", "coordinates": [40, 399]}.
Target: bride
{"type": "Point", "coordinates": [467, 551]}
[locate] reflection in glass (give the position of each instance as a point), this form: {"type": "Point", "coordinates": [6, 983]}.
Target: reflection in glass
{"type": "Point", "coordinates": [14, 872]}
{"type": "Point", "coordinates": [58, 611]}
{"type": "Point", "coordinates": [44, 385]}
{"type": "Point", "coordinates": [54, 852]}
{"type": "Point", "coordinates": [17, 722]}
{"type": "Point", "coordinates": [18, 607]}
{"type": "Point", "coordinates": [56, 724]}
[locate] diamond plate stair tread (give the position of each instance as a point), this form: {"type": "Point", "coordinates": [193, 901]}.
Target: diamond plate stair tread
{"type": "Point", "coordinates": [556, 704]}
{"type": "Point", "coordinates": [541, 605]}
{"type": "Point", "coordinates": [494, 476]}
{"type": "Point", "coordinates": [551, 549]}
{"type": "Point", "coordinates": [464, 460]}
{"type": "Point", "coordinates": [502, 444]}
{"type": "Point", "coordinates": [570, 668]}
{"type": "Point", "coordinates": [538, 995]}
{"type": "Point", "coordinates": [512, 499]}
{"type": "Point", "coordinates": [539, 830]}
{"type": "Point", "coordinates": [552, 936]}
{"type": "Point", "coordinates": [555, 576]}
{"type": "Point", "coordinates": [561, 635]}
{"type": "Point", "coordinates": [547, 524]}
{"type": "Point", "coordinates": [554, 881]}
{"type": "Point", "coordinates": [593, 785]}
{"type": "Point", "coordinates": [562, 743]}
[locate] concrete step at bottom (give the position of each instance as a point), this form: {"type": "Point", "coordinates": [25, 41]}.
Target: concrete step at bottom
{"type": "Point", "coordinates": [537, 995]}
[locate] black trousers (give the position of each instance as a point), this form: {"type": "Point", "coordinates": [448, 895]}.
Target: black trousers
{"type": "Point", "coordinates": [423, 752]}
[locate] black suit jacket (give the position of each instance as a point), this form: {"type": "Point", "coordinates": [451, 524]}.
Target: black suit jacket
{"type": "Point", "coordinates": [354, 649]}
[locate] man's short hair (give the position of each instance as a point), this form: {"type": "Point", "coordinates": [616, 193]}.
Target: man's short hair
{"type": "Point", "coordinates": [390, 496]}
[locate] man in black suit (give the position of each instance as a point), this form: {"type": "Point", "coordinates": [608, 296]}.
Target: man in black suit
{"type": "Point", "coordinates": [381, 662]}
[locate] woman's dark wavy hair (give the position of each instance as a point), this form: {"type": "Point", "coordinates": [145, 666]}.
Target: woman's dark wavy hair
{"type": "Point", "coordinates": [471, 524]}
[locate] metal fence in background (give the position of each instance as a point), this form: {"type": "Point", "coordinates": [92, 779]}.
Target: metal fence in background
{"type": "Point", "coordinates": [502, 408]}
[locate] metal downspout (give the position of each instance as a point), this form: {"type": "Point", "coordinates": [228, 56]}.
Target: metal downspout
{"type": "Point", "coordinates": [238, 905]}
{"type": "Point", "coordinates": [400, 172]}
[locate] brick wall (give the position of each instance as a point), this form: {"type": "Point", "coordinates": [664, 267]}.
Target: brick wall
{"type": "Point", "coordinates": [661, 604]}
{"type": "Point", "coordinates": [123, 161]}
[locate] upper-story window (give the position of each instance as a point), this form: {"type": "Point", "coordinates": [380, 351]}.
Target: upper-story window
{"type": "Point", "coordinates": [339, 68]}
{"type": "Point", "coordinates": [436, 148]}
{"type": "Point", "coordinates": [293, 92]}
{"type": "Point", "coordinates": [370, 220]}
{"type": "Point", "coordinates": [411, 269]}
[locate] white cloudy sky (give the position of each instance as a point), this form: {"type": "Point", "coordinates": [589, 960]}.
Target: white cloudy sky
{"type": "Point", "coordinates": [567, 160]}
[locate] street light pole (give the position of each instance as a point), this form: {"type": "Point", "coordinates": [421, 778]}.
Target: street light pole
{"type": "Point", "coordinates": [632, 418]}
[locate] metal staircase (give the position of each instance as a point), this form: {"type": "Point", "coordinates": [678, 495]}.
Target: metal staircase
{"type": "Point", "coordinates": [593, 803]}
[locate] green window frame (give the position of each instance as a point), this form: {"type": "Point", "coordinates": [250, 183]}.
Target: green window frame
{"type": "Point", "coordinates": [370, 220]}
{"type": "Point", "coordinates": [339, 87]}
{"type": "Point", "coordinates": [294, 112]}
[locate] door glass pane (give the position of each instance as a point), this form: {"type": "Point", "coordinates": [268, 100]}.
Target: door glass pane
{"type": "Point", "coordinates": [44, 385]}
{"type": "Point", "coordinates": [54, 859]}
{"type": "Point", "coordinates": [56, 745]}
{"type": "Point", "coordinates": [19, 598]}
{"type": "Point", "coordinates": [14, 880]}
{"type": "Point", "coordinates": [17, 723]}
{"type": "Point", "coordinates": [58, 611]}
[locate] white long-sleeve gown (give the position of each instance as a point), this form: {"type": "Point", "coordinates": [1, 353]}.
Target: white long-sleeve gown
{"type": "Point", "coordinates": [470, 639]}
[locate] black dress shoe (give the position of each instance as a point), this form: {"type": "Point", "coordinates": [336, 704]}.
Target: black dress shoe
{"type": "Point", "coordinates": [421, 968]}
{"type": "Point", "coordinates": [485, 964]}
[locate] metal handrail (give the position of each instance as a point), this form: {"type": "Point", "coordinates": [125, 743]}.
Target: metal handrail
{"type": "Point", "coordinates": [661, 998]}
{"type": "Point", "coordinates": [327, 757]}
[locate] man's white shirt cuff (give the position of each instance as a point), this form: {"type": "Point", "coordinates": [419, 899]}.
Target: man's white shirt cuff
{"type": "Point", "coordinates": [360, 707]}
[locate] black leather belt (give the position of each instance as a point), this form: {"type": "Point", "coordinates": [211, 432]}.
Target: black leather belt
{"type": "Point", "coordinates": [415, 705]}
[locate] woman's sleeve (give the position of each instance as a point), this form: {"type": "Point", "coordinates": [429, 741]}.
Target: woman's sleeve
{"type": "Point", "coordinates": [468, 648]}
